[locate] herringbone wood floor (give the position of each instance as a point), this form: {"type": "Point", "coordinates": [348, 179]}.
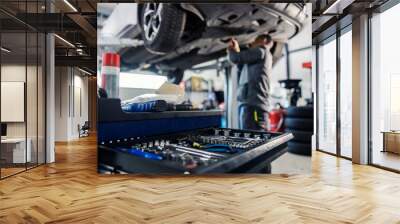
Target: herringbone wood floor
{"type": "Point", "coordinates": [70, 191]}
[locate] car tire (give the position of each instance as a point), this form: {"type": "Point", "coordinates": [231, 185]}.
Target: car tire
{"type": "Point", "coordinates": [300, 124]}
{"type": "Point", "coordinates": [300, 136]}
{"type": "Point", "coordinates": [170, 25]}
{"type": "Point", "coordinates": [299, 148]}
{"type": "Point", "coordinates": [300, 112]}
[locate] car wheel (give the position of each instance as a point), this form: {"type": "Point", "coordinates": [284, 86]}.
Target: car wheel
{"type": "Point", "coordinates": [162, 26]}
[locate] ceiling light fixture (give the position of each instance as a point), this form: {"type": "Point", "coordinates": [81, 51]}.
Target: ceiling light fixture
{"type": "Point", "coordinates": [84, 71]}
{"type": "Point", "coordinates": [64, 40]}
{"type": "Point", "coordinates": [5, 50]}
{"type": "Point", "coordinates": [70, 5]}
{"type": "Point", "coordinates": [337, 7]}
{"type": "Point", "coordinates": [331, 7]}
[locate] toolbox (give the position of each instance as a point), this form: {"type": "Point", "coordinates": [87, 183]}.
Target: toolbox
{"type": "Point", "coordinates": [180, 142]}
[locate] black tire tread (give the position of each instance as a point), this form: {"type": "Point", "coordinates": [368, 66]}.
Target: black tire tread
{"type": "Point", "coordinates": [300, 112]}
{"type": "Point", "coordinates": [171, 29]}
{"type": "Point", "coordinates": [301, 124]}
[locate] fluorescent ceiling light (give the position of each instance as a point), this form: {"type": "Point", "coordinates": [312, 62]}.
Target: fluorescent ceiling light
{"type": "Point", "coordinates": [138, 81]}
{"type": "Point", "coordinates": [64, 40]}
{"type": "Point", "coordinates": [84, 71]}
{"type": "Point", "coordinates": [338, 6]}
{"type": "Point", "coordinates": [80, 51]}
{"type": "Point", "coordinates": [331, 7]}
{"type": "Point", "coordinates": [5, 49]}
{"type": "Point", "coordinates": [70, 5]}
{"type": "Point", "coordinates": [141, 81]}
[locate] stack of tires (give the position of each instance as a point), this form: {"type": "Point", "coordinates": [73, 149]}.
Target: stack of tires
{"type": "Point", "coordinates": [299, 121]}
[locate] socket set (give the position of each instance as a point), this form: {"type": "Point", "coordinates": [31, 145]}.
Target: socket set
{"type": "Point", "coordinates": [233, 139]}
{"type": "Point", "coordinates": [210, 150]}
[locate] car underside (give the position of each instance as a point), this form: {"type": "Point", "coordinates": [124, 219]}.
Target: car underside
{"type": "Point", "coordinates": [177, 37]}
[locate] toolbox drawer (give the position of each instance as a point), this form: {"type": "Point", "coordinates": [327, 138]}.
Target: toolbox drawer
{"type": "Point", "coordinates": [137, 156]}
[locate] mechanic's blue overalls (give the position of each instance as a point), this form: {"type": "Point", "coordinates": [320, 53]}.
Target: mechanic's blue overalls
{"type": "Point", "coordinates": [254, 66]}
{"type": "Point", "coordinates": [250, 117]}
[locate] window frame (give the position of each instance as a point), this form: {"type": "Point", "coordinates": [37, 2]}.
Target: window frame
{"type": "Point", "coordinates": [334, 37]}
{"type": "Point", "coordinates": [379, 10]}
{"type": "Point", "coordinates": [38, 33]}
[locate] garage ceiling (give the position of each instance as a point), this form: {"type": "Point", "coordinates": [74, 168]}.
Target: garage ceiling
{"type": "Point", "coordinates": [74, 22]}
{"type": "Point", "coordinates": [329, 15]}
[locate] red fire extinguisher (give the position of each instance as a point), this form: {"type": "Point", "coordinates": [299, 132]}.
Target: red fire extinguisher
{"type": "Point", "coordinates": [110, 74]}
{"type": "Point", "coordinates": [276, 117]}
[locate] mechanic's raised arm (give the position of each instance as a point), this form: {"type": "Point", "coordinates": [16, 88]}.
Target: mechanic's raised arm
{"type": "Point", "coordinates": [249, 56]}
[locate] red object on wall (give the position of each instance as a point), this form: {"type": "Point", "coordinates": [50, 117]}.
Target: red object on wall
{"type": "Point", "coordinates": [307, 65]}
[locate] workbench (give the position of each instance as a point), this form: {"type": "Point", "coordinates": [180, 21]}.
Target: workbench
{"type": "Point", "coordinates": [13, 150]}
{"type": "Point", "coordinates": [391, 141]}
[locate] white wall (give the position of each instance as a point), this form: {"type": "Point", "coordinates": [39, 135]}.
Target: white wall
{"type": "Point", "coordinates": [61, 103]}
{"type": "Point", "coordinates": [33, 126]}
{"type": "Point", "coordinates": [71, 102]}
{"type": "Point", "coordinates": [132, 84]}
{"type": "Point", "coordinates": [81, 104]}
{"type": "Point", "coordinates": [301, 40]}
{"type": "Point", "coordinates": [218, 83]}
{"type": "Point", "coordinates": [14, 72]}
{"type": "Point", "coordinates": [17, 73]}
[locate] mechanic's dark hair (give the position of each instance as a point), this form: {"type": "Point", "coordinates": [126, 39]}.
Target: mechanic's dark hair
{"type": "Point", "coordinates": [266, 36]}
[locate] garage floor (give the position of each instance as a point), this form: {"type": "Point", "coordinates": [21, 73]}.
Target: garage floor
{"type": "Point", "coordinates": [71, 191]}
{"type": "Point", "coordinates": [292, 164]}
{"type": "Point", "coordinates": [387, 159]}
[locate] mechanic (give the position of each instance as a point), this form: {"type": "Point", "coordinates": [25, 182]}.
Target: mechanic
{"type": "Point", "coordinates": [254, 67]}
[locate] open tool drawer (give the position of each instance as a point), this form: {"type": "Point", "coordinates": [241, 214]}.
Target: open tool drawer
{"type": "Point", "coordinates": [189, 142]}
